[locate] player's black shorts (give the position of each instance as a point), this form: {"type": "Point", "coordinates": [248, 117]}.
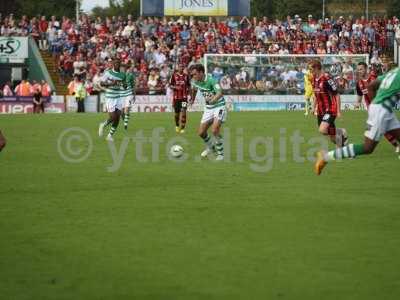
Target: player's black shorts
{"type": "Point", "coordinates": [180, 105]}
{"type": "Point", "coordinates": [328, 118]}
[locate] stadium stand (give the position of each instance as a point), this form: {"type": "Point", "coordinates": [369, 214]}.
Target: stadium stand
{"type": "Point", "coordinates": [152, 46]}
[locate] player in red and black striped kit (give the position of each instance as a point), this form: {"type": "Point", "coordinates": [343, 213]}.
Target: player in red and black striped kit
{"type": "Point", "coordinates": [180, 84]}
{"type": "Point", "coordinates": [365, 79]}
{"type": "Point", "coordinates": [327, 105]}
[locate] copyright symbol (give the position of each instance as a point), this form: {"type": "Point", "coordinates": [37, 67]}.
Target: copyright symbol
{"type": "Point", "coordinates": [74, 145]}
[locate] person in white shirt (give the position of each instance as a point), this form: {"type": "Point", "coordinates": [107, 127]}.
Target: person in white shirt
{"type": "Point", "coordinates": [7, 91]}
{"type": "Point", "coordinates": [159, 57]}
{"type": "Point", "coordinates": [128, 29]}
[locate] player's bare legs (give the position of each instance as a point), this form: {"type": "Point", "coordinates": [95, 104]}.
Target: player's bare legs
{"type": "Point", "coordinates": [202, 132]}
{"type": "Point", "coordinates": [394, 141]}
{"type": "Point", "coordinates": [2, 141]}
{"type": "Point", "coordinates": [350, 151]}
{"type": "Point", "coordinates": [394, 135]}
{"type": "Point", "coordinates": [338, 136]}
{"type": "Point", "coordinates": [177, 127]}
{"type": "Point", "coordinates": [182, 119]}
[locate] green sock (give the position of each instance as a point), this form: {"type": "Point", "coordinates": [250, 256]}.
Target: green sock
{"type": "Point", "coordinates": [207, 140]}
{"type": "Point", "coordinates": [126, 119]}
{"type": "Point", "coordinates": [349, 151]}
{"type": "Point", "coordinates": [307, 105]}
{"type": "Point", "coordinates": [219, 145]}
{"type": "Point", "coordinates": [107, 122]}
{"type": "Point", "coordinates": [113, 129]}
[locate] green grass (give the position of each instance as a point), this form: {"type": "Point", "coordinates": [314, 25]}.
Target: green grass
{"type": "Point", "coordinates": [194, 230]}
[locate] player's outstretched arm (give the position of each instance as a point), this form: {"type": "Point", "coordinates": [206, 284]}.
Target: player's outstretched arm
{"type": "Point", "coordinates": [338, 103]}
{"type": "Point", "coordinates": [192, 94]}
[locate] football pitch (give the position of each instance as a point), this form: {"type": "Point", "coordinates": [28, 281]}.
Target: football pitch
{"type": "Point", "coordinates": [82, 219]}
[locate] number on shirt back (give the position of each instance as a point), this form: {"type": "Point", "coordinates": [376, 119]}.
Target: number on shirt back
{"type": "Point", "coordinates": [387, 82]}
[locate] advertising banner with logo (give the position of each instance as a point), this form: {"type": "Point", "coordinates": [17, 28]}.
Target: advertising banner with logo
{"type": "Point", "coordinates": [13, 47]}
{"type": "Point", "coordinates": [25, 107]}
{"type": "Point", "coordinates": [90, 104]}
{"type": "Point", "coordinates": [196, 7]}
{"type": "Point", "coordinates": [163, 103]}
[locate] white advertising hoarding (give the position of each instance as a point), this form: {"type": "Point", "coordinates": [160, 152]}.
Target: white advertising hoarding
{"type": "Point", "coordinates": [14, 47]}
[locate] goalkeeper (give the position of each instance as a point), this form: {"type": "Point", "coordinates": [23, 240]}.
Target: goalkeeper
{"type": "Point", "coordinates": [308, 90]}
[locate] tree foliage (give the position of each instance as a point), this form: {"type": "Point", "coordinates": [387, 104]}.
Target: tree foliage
{"type": "Point", "coordinates": [46, 7]}
{"type": "Point", "coordinates": [118, 8]}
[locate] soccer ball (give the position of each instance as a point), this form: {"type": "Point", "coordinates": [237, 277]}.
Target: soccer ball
{"type": "Point", "coordinates": [176, 151]}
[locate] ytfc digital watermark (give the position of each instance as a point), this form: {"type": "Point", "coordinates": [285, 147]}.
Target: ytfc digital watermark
{"type": "Point", "coordinates": [75, 145]}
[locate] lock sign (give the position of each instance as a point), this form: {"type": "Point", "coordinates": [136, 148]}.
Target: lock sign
{"type": "Point", "coordinates": [14, 47]}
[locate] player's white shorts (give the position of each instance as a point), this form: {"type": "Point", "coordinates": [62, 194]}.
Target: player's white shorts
{"type": "Point", "coordinates": [218, 113]}
{"type": "Point", "coordinates": [380, 121]}
{"type": "Point", "coordinates": [112, 104]}
{"type": "Point", "coordinates": [128, 101]}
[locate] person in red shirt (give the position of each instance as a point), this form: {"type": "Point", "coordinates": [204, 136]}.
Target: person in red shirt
{"type": "Point", "coordinates": [43, 26]}
{"type": "Point", "coordinates": [180, 83]}
{"type": "Point", "coordinates": [327, 105]}
{"type": "Point", "coordinates": [364, 80]}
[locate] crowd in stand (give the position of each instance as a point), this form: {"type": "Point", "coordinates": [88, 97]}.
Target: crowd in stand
{"type": "Point", "coordinates": [151, 47]}
{"type": "Point", "coordinates": [27, 89]}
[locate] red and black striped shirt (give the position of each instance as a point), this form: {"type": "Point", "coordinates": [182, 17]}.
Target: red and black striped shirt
{"type": "Point", "coordinates": [325, 90]}
{"type": "Point", "coordinates": [362, 88]}
{"type": "Point", "coordinates": [181, 83]}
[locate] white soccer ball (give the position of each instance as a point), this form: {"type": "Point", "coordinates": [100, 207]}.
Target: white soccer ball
{"type": "Point", "coordinates": [176, 151]}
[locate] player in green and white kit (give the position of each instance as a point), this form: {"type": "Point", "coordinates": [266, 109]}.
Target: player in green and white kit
{"type": "Point", "coordinates": [129, 97]}
{"type": "Point", "coordinates": [214, 112]}
{"type": "Point", "coordinates": [381, 120]}
{"type": "Point", "coordinates": [114, 82]}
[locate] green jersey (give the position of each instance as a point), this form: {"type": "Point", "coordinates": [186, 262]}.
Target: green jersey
{"type": "Point", "coordinates": [130, 84]}
{"type": "Point", "coordinates": [117, 90]}
{"type": "Point", "coordinates": [208, 88]}
{"type": "Point", "coordinates": [389, 90]}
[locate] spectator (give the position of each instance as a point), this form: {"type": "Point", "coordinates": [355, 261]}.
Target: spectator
{"type": "Point", "coordinates": [7, 91]}
{"type": "Point", "coordinates": [79, 91]}
{"type": "Point", "coordinates": [46, 89]}
{"type": "Point", "coordinates": [24, 89]}
{"type": "Point", "coordinates": [38, 104]}
{"type": "Point", "coordinates": [153, 82]}
{"type": "Point", "coordinates": [43, 26]}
